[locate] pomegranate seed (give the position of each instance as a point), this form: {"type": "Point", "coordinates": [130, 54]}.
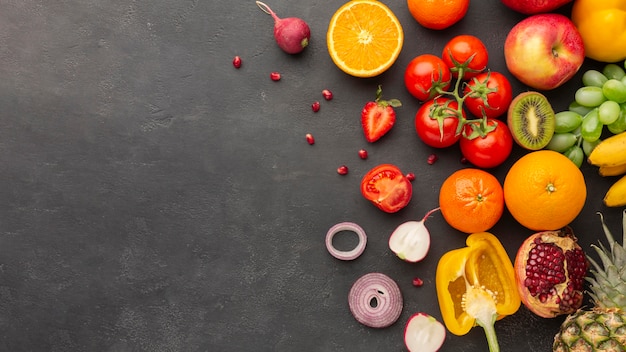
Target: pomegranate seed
{"type": "Point", "coordinates": [417, 282]}
{"type": "Point", "coordinates": [315, 106]}
{"type": "Point", "coordinates": [342, 170]}
{"type": "Point", "coordinates": [410, 176]}
{"type": "Point", "coordinates": [432, 158]}
{"type": "Point", "coordinates": [363, 154]}
{"type": "Point", "coordinates": [237, 62]}
{"type": "Point", "coordinates": [310, 139]}
{"type": "Point", "coordinates": [463, 160]}
{"type": "Point", "coordinates": [327, 94]}
{"type": "Point", "coordinates": [275, 76]}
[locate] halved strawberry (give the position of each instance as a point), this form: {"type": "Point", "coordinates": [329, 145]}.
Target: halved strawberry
{"type": "Point", "coordinates": [378, 116]}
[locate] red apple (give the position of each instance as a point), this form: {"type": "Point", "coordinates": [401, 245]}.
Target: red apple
{"type": "Point", "coordinates": [531, 7]}
{"type": "Point", "coordinates": [544, 51]}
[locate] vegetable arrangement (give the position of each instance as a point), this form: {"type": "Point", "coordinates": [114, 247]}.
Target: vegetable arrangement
{"type": "Point", "coordinates": [463, 103]}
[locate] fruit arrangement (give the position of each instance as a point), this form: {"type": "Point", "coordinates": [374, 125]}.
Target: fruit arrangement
{"type": "Point", "coordinates": [464, 104]}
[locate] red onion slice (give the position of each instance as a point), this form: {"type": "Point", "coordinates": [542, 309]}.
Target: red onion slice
{"type": "Point", "coordinates": [346, 255]}
{"type": "Point", "coordinates": [375, 300]}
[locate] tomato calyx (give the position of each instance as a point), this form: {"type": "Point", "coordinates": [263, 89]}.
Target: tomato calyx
{"type": "Point", "coordinates": [462, 68]}
{"type": "Point", "coordinates": [479, 128]}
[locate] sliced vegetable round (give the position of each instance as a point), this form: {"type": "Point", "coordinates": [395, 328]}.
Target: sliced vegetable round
{"type": "Point", "coordinates": [351, 254]}
{"type": "Point", "coordinates": [375, 300]}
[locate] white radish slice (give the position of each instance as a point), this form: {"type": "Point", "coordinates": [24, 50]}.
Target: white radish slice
{"type": "Point", "coordinates": [411, 240]}
{"type": "Point", "coordinates": [424, 333]}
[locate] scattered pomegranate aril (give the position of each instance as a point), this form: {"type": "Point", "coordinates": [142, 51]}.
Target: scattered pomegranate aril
{"type": "Point", "coordinates": [327, 94]}
{"type": "Point", "coordinates": [315, 106]}
{"type": "Point", "coordinates": [417, 282]}
{"type": "Point", "coordinates": [410, 176]}
{"type": "Point", "coordinates": [342, 170]}
{"type": "Point", "coordinates": [310, 139]}
{"type": "Point", "coordinates": [363, 154]}
{"type": "Point", "coordinates": [432, 158]}
{"type": "Point", "coordinates": [237, 62]}
{"type": "Point", "coordinates": [550, 271]}
{"type": "Point", "coordinates": [275, 76]}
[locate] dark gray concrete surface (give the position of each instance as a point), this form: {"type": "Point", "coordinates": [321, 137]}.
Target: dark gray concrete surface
{"type": "Point", "coordinates": [154, 198]}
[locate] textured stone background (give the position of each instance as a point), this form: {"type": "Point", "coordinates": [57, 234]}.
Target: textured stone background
{"type": "Point", "coordinates": [153, 198]}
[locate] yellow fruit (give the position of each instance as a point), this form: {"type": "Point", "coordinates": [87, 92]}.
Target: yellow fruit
{"type": "Point", "coordinates": [364, 38]}
{"type": "Point", "coordinates": [544, 190]}
{"type": "Point", "coordinates": [616, 195]}
{"type": "Point", "coordinates": [612, 170]}
{"type": "Point", "coordinates": [610, 152]}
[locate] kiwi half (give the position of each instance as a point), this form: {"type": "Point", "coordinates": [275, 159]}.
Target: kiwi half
{"type": "Point", "coordinates": [531, 120]}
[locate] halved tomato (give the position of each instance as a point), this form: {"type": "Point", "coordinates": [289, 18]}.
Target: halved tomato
{"type": "Point", "coordinates": [387, 188]}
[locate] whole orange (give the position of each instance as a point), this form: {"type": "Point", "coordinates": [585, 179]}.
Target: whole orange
{"type": "Point", "coordinates": [544, 190]}
{"type": "Point", "coordinates": [438, 14]}
{"type": "Point", "coordinates": [471, 200]}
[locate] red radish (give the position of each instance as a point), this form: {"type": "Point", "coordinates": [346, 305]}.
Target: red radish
{"type": "Point", "coordinates": [411, 240]}
{"type": "Point", "coordinates": [292, 34]}
{"type": "Point", "coordinates": [424, 333]}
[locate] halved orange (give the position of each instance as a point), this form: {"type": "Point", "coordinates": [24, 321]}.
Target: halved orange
{"type": "Point", "coordinates": [364, 38]}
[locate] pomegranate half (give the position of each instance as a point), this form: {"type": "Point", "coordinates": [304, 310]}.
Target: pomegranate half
{"type": "Point", "coordinates": [550, 269]}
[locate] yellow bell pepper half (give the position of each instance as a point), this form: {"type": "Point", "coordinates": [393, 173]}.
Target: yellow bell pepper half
{"type": "Point", "coordinates": [476, 286]}
{"type": "Point", "coordinates": [602, 25]}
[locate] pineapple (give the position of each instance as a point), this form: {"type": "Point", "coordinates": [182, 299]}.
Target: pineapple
{"type": "Point", "coordinates": [603, 328]}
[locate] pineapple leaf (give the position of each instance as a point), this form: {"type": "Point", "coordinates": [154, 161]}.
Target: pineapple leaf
{"type": "Point", "coordinates": [607, 232]}
{"type": "Point", "coordinates": [624, 228]}
{"type": "Point", "coordinates": [602, 253]}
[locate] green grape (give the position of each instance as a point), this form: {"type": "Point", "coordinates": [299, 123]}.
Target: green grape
{"type": "Point", "coordinates": [567, 121]}
{"type": "Point", "coordinates": [589, 146]}
{"type": "Point", "coordinates": [619, 125]}
{"type": "Point", "coordinates": [594, 78]}
{"type": "Point", "coordinates": [608, 112]}
{"type": "Point", "coordinates": [579, 109]}
{"type": "Point", "coordinates": [560, 142]}
{"type": "Point", "coordinates": [590, 96]}
{"type": "Point", "coordinates": [615, 90]}
{"type": "Point", "coordinates": [576, 155]}
{"type": "Point", "coordinates": [613, 71]}
{"type": "Point", "coordinates": [591, 128]}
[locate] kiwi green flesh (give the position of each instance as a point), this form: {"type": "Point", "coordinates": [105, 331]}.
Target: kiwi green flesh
{"type": "Point", "coordinates": [531, 120]}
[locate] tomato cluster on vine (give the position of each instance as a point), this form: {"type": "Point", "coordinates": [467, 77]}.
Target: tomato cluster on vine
{"type": "Point", "coordinates": [462, 101]}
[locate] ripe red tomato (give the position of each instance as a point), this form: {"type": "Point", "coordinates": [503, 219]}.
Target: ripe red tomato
{"type": "Point", "coordinates": [488, 151]}
{"type": "Point", "coordinates": [436, 126]}
{"type": "Point", "coordinates": [425, 74]}
{"type": "Point", "coordinates": [465, 51]}
{"type": "Point", "coordinates": [493, 87]}
{"type": "Point", "coordinates": [387, 188]}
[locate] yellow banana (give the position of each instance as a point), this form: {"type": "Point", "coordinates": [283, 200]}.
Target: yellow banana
{"type": "Point", "coordinates": [610, 152]}
{"type": "Point", "coordinates": [616, 195]}
{"type": "Point", "coordinates": [612, 170]}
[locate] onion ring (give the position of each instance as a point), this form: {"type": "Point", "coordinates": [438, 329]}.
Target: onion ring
{"type": "Point", "coordinates": [375, 300]}
{"type": "Point", "coordinates": [346, 255]}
